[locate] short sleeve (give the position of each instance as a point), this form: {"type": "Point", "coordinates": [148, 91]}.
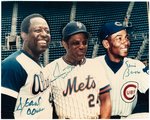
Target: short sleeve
{"type": "Point", "coordinates": [102, 80]}
{"type": "Point", "coordinates": [13, 75]}
{"type": "Point", "coordinates": [143, 77]}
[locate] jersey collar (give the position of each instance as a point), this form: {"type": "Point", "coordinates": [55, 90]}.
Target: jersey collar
{"type": "Point", "coordinates": [113, 65]}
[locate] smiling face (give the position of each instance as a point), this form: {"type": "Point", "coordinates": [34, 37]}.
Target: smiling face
{"type": "Point", "coordinates": [36, 41]}
{"type": "Point", "coordinates": [117, 45]}
{"type": "Point", "coordinates": [76, 47]}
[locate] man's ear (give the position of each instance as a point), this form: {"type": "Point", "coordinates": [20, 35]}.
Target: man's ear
{"type": "Point", "coordinates": [105, 44]}
{"type": "Point", "coordinates": [24, 36]}
{"type": "Point", "coordinates": [64, 44]}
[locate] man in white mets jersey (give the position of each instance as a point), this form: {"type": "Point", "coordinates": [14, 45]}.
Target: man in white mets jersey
{"type": "Point", "coordinates": [76, 83]}
{"type": "Point", "coordinates": [126, 75]}
{"type": "Point", "coordinates": [24, 92]}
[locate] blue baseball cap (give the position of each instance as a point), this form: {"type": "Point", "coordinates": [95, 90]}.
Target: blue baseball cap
{"type": "Point", "coordinates": [110, 28]}
{"type": "Point", "coordinates": [72, 28]}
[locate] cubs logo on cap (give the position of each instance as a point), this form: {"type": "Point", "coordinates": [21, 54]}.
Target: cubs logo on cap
{"type": "Point", "coordinates": [109, 29]}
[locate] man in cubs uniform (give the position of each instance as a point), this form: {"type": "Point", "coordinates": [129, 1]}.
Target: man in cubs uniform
{"type": "Point", "coordinates": [24, 90]}
{"type": "Point", "coordinates": [126, 75]}
{"type": "Point", "coordinates": [76, 83]}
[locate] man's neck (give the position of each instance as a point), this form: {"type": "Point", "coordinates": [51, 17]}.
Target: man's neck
{"type": "Point", "coordinates": [72, 61]}
{"type": "Point", "coordinates": [33, 56]}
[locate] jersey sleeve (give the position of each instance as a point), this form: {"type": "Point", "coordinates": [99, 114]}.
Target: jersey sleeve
{"type": "Point", "coordinates": [103, 83]}
{"type": "Point", "coordinates": [143, 77]}
{"type": "Point", "coordinates": [13, 77]}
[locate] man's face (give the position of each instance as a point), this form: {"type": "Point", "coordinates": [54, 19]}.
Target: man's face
{"type": "Point", "coordinates": [77, 47]}
{"type": "Point", "coordinates": [118, 44]}
{"type": "Point", "coordinates": [38, 36]}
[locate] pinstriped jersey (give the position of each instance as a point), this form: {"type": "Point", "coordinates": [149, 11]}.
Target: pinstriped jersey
{"type": "Point", "coordinates": [22, 78]}
{"type": "Point", "coordinates": [131, 77]}
{"type": "Point", "coordinates": [76, 88]}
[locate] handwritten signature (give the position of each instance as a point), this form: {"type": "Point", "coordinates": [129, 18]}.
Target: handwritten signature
{"type": "Point", "coordinates": [30, 103]}
{"type": "Point", "coordinates": [57, 73]}
{"type": "Point", "coordinates": [128, 70]}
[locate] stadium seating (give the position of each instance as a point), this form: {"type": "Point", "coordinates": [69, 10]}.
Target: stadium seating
{"type": "Point", "coordinates": [6, 53]}
{"type": "Point", "coordinates": [6, 20]}
{"type": "Point", "coordinates": [55, 52]}
{"type": "Point", "coordinates": [92, 14]}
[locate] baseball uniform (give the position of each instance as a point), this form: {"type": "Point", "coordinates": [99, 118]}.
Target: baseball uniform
{"type": "Point", "coordinates": [125, 79]}
{"type": "Point", "coordinates": [76, 88]}
{"type": "Point", "coordinates": [22, 78]}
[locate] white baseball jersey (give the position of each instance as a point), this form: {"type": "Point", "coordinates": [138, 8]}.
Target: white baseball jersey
{"type": "Point", "coordinates": [32, 96]}
{"type": "Point", "coordinates": [124, 83]}
{"type": "Point", "coordinates": [76, 88]}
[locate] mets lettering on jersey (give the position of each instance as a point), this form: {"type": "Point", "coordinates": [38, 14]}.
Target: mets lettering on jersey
{"type": "Point", "coordinates": [124, 83]}
{"type": "Point", "coordinates": [33, 96]}
{"type": "Point", "coordinates": [81, 86]}
{"type": "Point", "coordinates": [76, 89]}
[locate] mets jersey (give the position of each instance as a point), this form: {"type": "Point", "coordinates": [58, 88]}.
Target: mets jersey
{"type": "Point", "coordinates": [76, 88]}
{"type": "Point", "coordinates": [130, 77]}
{"type": "Point", "coordinates": [22, 78]}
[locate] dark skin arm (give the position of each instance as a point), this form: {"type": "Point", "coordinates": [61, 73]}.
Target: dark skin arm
{"type": "Point", "coordinates": [105, 106]}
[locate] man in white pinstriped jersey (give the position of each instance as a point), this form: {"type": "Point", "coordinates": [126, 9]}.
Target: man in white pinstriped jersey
{"type": "Point", "coordinates": [126, 75]}
{"type": "Point", "coordinates": [75, 80]}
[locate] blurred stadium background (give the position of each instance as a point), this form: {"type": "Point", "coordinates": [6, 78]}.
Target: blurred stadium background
{"type": "Point", "coordinates": [92, 14]}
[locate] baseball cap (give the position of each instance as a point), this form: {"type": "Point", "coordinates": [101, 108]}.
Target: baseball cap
{"type": "Point", "coordinates": [110, 28]}
{"type": "Point", "coordinates": [72, 28]}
